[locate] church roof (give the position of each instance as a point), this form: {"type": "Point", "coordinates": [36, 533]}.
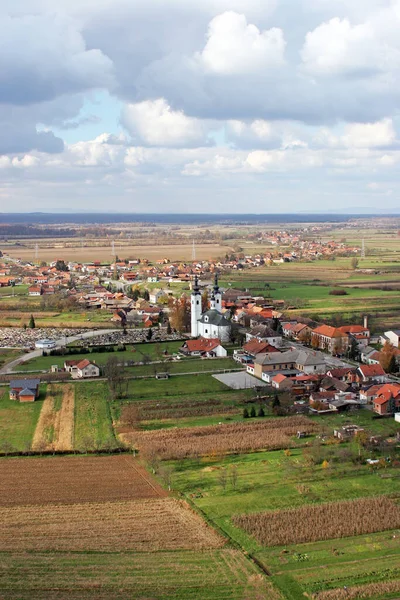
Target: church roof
{"type": "Point", "coordinates": [214, 318]}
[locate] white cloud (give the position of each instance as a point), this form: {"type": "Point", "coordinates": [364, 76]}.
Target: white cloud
{"type": "Point", "coordinates": [369, 135]}
{"type": "Point", "coordinates": [154, 123]}
{"type": "Point", "coordinates": [338, 47]}
{"type": "Point", "coordinates": [235, 47]}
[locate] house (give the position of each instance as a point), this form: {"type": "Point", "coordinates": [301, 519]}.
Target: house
{"type": "Point", "coordinates": [333, 384]}
{"type": "Point", "coordinates": [310, 362]}
{"type": "Point", "coordinates": [204, 347]}
{"type": "Point", "coordinates": [35, 290]}
{"type": "Point", "coordinates": [265, 333]}
{"type": "Point", "coordinates": [370, 393]}
{"type": "Point", "coordinates": [281, 382]}
{"type": "Point", "coordinates": [387, 400]}
{"type": "Point", "coordinates": [255, 346]}
{"type": "Point", "coordinates": [347, 374]}
{"type": "Point", "coordinates": [24, 390]}
{"type": "Point", "coordinates": [371, 373]}
{"type": "Point", "coordinates": [357, 332]}
{"type": "Point", "coordinates": [393, 336]}
{"type": "Point", "coordinates": [81, 369]}
{"type": "Point", "coordinates": [274, 361]}
{"type": "Point", "coordinates": [155, 295]}
{"type": "Point", "coordinates": [347, 432]}
{"type": "Point", "coordinates": [329, 338]}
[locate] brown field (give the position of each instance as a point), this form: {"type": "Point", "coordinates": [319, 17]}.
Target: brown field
{"type": "Point", "coordinates": [103, 253]}
{"type": "Point", "coordinates": [55, 427]}
{"type": "Point", "coordinates": [67, 480]}
{"type": "Point", "coordinates": [236, 437]}
{"type": "Point", "coordinates": [313, 523]}
{"type": "Point", "coordinates": [358, 592]}
{"type": "Point", "coordinates": [141, 525]}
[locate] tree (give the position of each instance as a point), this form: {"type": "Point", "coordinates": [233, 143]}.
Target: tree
{"type": "Point", "coordinates": [169, 328]}
{"type": "Point", "coordinates": [31, 323]}
{"type": "Point", "coordinates": [245, 413]}
{"type": "Point", "coordinates": [135, 294]}
{"type": "Point", "coordinates": [353, 348]}
{"type": "Point", "coordinates": [261, 412]}
{"type": "Point", "coordinates": [234, 476]}
{"type": "Point", "coordinates": [305, 336]}
{"type": "Point", "coordinates": [223, 478]}
{"type": "Point", "coordinates": [117, 380]}
{"type": "Point", "coordinates": [146, 295]}
{"type": "Point", "coordinates": [276, 402]}
{"type": "Point", "coordinates": [149, 333]}
{"type": "Point", "coordinates": [61, 266]}
{"type": "Point", "coordinates": [252, 412]}
{"type": "Point", "coordinates": [179, 313]}
{"type": "Point", "coordinates": [387, 358]}
{"type": "Point", "coordinates": [204, 301]}
{"type": "Point", "coordinates": [354, 262]}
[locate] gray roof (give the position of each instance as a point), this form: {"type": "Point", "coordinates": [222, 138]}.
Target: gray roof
{"type": "Point", "coordinates": [30, 384]}
{"type": "Point", "coordinates": [277, 358]}
{"type": "Point", "coordinates": [27, 392]}
{"type": "Point", "coordinates": [264, 331]}
{"type": "Point", "coordinates": [308, 359]}
{"type": "Point", "coordinates": [214, 318]}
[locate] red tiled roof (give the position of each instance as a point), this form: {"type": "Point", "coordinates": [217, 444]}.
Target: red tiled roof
{"type": "Point", "coordinates": [255, 346]}
{"type": "Point", "coordinates": [371, 370]}
{"type": "Point", "coordinates": [279, 378]}
{"type": "Point", "coordinates": [328, 331]}
{"type": "Point", "coordinates": [202, 344]}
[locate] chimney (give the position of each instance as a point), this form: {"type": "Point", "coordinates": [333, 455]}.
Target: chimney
{"type": "Point", "coordinates": [366, 321]}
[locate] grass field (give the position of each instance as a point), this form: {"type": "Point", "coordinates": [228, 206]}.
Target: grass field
{"type": "Point", "coordinates": [93, 426]}
{"type": "Point", "coordinates": [17, 422]}
{"type": "Point", "coordinates": [179, 575]}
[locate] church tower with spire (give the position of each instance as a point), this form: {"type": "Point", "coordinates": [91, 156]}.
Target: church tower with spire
{"type": "Point", "coordinates": [216, 296]}
{"type": "Point", "coordinates": [195, 308]}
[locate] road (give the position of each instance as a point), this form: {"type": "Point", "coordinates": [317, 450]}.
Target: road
{"type": "Point", "coordinates": [11, 366]}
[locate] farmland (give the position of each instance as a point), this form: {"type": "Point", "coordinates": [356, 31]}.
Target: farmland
{"type": "Point", "coordinates": [328, 521]}
{"type": "Point", "coordinates": [55, 428]}
{"type": "Point", "coordinates": [17, 423]}
{"type": "Point", "coordinates": [220, 439]}
{"type": "Point", "coordinates": [94, 527]}
{"type": "Point", "coordinates": [93, 427]}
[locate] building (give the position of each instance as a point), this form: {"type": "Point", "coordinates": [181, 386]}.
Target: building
{"type": "Point", "coordinates": [264, 333]}
{"type": "Point", "coordinates": [274, 361]}
{"type": "Point", "coordinates": [387, 399]}
{"type": "Point", "coordinates": [81, 369]}
{"type": "Point", "coordinates": [204, 347]}
{"type": "Point", "coordinates": [330, 338]}
{"type": "Point", "coordinates": [393, 336]}
{"type": "Point", "coordinates": [45, 344]}
{"type": "Point", "coordinates": [211, 324]}
{"type": "Point", "coordinates": [371, 373]}
{"type": "Point", "coordinates": [24, 390]}
{"type": "Point", "coordinates": [310, 362]}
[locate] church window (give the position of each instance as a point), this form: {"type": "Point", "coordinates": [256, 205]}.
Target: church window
{"type": "Point", "coordinates": [197, 302]}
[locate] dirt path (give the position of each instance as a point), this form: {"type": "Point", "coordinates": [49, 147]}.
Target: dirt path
{"type": "Point", "coordinates": [55, 427]}
{"type": "Point", "coordinates": [64, 423]}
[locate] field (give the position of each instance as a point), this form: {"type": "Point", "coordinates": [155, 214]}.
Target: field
{"type": "Point", "coordinates": [93, 426]}
{"type": "Point", "coordinates": [55, 428]}
{"type": "Point", "coordinates": [17, 422]}
{"type": "Point", "coordinates": [172, 444]}
{"type": "Point", "coordinates": [95, 528]}
{"type": "Point", "coordinates": [103, 253]}
{"type": "Point", "coordinates": [323, 522]}
{"type": "Point", "coordinates": [70, 479]}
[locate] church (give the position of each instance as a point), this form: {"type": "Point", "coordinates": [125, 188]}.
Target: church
{"type": "Point", "coordinates": [212, 323]}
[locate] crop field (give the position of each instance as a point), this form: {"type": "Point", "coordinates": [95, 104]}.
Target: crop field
{"type": "Point", "coordinates": [387, 589]}
{"type": "Point", "coordinates": [17, 423]}
{"type": "Point", "coordinates": [178, 575]}
{"type": "Point", "coordinates": [66, 480]}
{"type": "Point", "coordinates": [93, 426]}
{"type": "Point", "coordinates": [322, 522]}
{"type": "Point", "coordinates": [104, 253]}
{"type": "Point", "coordinates": [234, 437]}
{"type": "Point", "coordinates": [174, 386]}
{"type": "Point", "coordinates": [55, 428]}
{"type": "Point", "coordinates": [106, 526]}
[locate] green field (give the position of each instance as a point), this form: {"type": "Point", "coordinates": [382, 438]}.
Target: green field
{"type": "Point", "coordinates": [93, 426]}
{"type": "Point", "coordinates": [17, 422]}
{"type": "Point", "coordinates": [178, 575]}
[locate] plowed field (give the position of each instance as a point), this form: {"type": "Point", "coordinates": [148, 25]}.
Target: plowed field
{"type": "Point", "coordinates": [69, 480]}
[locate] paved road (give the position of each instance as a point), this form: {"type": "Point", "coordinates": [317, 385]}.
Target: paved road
{"type": "Point", "coordinates": [11, 366]}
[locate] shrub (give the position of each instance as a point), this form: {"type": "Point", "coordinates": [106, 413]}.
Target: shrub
{"type": "Point", "coordinates": [338, 293]}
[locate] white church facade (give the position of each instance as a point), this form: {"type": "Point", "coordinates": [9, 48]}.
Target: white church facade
{"type": "Point", "coordinates": [212, 323]}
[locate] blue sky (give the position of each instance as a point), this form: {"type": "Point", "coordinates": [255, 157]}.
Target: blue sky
{"type": "Point", "coordinates": [236, 105]}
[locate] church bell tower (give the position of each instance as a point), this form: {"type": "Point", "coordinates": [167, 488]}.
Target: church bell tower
{"type": "Point", "coordinates": [195, 308]}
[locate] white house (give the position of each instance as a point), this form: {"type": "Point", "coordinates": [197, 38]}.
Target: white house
{"type": "Point", "coordinates": [81, 369]}
{"type": "Point", "coordinates": [393, 336]}
{"type": "Point", "coordinates": [155, 295]}
{"type": "Point", "coordinates": [204, 347]}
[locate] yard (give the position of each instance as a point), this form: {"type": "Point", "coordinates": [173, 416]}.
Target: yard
{"type": "Point", "coordinates": [17, 422]}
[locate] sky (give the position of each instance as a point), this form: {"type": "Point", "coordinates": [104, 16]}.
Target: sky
{"type": "Point", "coordinates": [211, 106]}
